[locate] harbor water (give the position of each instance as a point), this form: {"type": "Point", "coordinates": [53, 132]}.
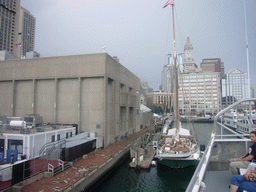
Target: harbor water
{"type": "Point", "coordinates": [158, 178]}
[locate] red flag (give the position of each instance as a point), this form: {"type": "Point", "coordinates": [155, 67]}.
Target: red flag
{"type": "Point", "coordinates": [169, 2]}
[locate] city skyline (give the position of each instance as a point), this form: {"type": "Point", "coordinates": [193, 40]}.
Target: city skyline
{"type": "Point", "coordinates": [140, 33]}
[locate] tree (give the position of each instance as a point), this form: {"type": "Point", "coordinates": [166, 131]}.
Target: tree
{"type": "Point", "coordinates": [156, 109]}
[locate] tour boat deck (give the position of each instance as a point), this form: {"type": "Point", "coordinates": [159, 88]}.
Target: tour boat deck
{"type": "Point", "coordinates": [217, 180]}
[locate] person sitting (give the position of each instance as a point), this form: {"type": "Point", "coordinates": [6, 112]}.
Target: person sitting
{"type": "Point", "coordinates": [244, 182]}
{"type": "Point", "coordinates": [244, 161]}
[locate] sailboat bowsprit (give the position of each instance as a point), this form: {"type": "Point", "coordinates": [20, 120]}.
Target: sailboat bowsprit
{"type": "Point", "coordinates": [178, 147]}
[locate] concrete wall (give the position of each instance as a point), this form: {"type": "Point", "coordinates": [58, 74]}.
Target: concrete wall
{"type": "Point", "coordinates": [94, 91]}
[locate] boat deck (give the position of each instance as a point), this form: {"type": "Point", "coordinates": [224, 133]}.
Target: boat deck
{"type": "Point", "coordinates": [217, 180]}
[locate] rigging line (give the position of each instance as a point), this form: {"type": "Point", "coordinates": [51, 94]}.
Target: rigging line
{"type": "Point", "coordinates": [191, 126]}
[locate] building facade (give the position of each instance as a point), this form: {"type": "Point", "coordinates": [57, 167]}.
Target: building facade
{"type": "Point", "coordinates": [5, 55]}
{"type": "Point", "coordinates": [9, 15]}
{"type": "Point", "coordinates": [214, 65]}
{"type": "Point", "coordinates": [145, 87]}
{"type": "Point", "coordinates": [159, 98]}
{"type": "Point", "coordinates": [27, 26]}
{"type": "Point", "coordinates": [199, 92]}
{"type": "Point", "coordinates": [167, 76]}
{"type": "Point", "coordinates": [94, 91]}
{"type": "Point", "coordinates": [234, 87]}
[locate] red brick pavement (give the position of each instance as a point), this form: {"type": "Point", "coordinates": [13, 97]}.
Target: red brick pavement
{"type": "Point", "coordinates": [70, 176]}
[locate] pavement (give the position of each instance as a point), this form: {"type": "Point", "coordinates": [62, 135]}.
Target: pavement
{"type": "Point", "coordinates": [72, 175]}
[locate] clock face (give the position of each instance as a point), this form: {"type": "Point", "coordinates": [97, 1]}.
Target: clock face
{"type": "Point", "coordinates": [189, 51]}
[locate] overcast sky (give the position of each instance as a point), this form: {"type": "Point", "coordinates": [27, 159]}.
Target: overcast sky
{"type": "Point", "coordinates": [139, 32]}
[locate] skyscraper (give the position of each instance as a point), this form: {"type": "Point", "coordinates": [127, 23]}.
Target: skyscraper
{"type": "Point", "coordinates": [9, 14]}
{"type": "Point", "coordinates": [27, 24]}
{"type": "Point", "coordinates": [166, 77]}
{"type": "Point", "coordinates": [234, 87]}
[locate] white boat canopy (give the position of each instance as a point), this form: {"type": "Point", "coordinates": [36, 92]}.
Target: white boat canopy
{"type": "Point", "coordinates": [182, 132]}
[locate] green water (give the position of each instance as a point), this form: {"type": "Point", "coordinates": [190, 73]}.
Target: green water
{"type": "Point", "coordinates": [158, 178]}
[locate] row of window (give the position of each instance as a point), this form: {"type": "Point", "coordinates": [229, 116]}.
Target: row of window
{"type": "Point", "coordinates": [202, 107]}
{"type": "Point", "coordinates": [198, 91]}
{"type": "Point", "coordinates": [198, 76]}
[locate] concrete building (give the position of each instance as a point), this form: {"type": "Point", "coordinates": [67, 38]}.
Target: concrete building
{"type": "Point", "coordinates": [160, 98]}
{"type": "Point", "coordinates": [199, 92]}
{"type": "Point", "coordinates": [145, 87]}
{"type": "Point", "coordinates": [234, 86]}
{"type": "Point", "coordinates": [144, 90]}
{"type": "Point", "coordinates": [94, 91]}
{"type": "Point", "coordinates": [5, 55]}
{"type": "Point", "coordinates": [27, 26]}
{"type": "Point", "coordinates": [9, 17]}
{"type": "Point", "coordinates": [32, 54]}
{"type": "Point", "coordinates": [214, 65]}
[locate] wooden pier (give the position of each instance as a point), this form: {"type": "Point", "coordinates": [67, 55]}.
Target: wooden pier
{"type": "Point", "coordinates": [142, 157]}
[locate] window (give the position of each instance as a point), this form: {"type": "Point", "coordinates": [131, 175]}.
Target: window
{"type": "Point", "coordinates": [53, 138]}
{"type": "Point", "coordinates": [70, 134]}
{"type": "Point", "coordinates": [66, 135]}
{"type": "Point", "coordinates": [58, 137]}
{"type": "Point", "coordinates": [16, 145]}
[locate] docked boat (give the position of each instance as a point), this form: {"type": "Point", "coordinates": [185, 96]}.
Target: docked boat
{"type": "Point", "coordinates": [246, 122]}
{"type": "Point", "coordinates": [240, 122]}
{"type": "Point", "coordinates": [230, 119]}
{"type": "Point", "coordinates": [178, 147]}
{"type": "Point", "coordinates": [203, 119]}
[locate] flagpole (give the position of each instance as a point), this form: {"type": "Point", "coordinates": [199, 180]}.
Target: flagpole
{"type": "Point", "coordinates": [247, 53]}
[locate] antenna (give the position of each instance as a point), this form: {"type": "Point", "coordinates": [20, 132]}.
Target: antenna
{"type": "Point", "coordinates": [104, 49]}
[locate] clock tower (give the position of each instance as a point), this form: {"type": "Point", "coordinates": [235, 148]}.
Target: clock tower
{"type": "Point", "coordinates": [188, 50]}
{"type": "Point", "coordinates": [189, 59]}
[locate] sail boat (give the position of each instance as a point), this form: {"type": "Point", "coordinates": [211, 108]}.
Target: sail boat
{"type": "Point", "coordinates": [178, 147]}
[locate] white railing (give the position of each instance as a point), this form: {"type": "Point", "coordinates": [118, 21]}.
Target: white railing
{"type": "Point", "coordinates": [50, 167]}
{"type": "Point", "coordinates": [61, 163]}
{"type": "Point", "coordinates": [196, 183]}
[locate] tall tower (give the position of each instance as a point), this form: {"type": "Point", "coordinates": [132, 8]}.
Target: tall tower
{"type": "Point", "coordinates": [166, 78]}
{"type": "Point", "coordinates": [9, 20]}
{"type": "Point", "coordinates": [189, 59]}
{"type": "Point", "coordinates": [27, 24]}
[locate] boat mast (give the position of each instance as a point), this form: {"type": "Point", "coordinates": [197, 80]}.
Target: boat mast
{"type": "Point", "coordinates": [176, 72]}
{"type": "Point", "coordinates": [171, 2]}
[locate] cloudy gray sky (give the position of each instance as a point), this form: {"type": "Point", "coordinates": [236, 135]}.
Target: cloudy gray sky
{"type": "Point", "coordinates": [139, 32]}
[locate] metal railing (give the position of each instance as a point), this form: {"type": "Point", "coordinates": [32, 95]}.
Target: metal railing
{"type": "Point", "coordinates": [51, 145]}
{"type": "Point", "coordinates": [196, 183]}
